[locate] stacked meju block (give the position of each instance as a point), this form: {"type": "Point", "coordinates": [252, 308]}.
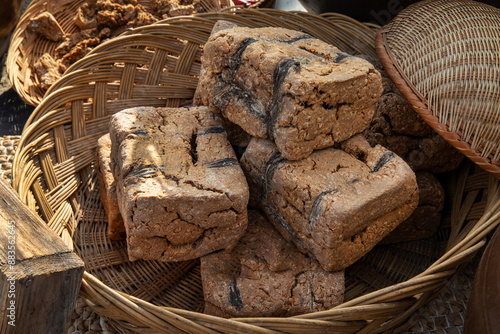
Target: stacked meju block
{"type": "Point", "coordinates": [397, 127]}
{"type": "Point", "coordinates": [179, 188]}
{"type": "Point", "coordinates": [320, 195]}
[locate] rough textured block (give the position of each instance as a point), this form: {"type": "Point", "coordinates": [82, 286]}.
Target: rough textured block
{"type": "Point", "coordinates": [181, 191]}
{"type": "Point", "coordinates": [335, 204]}
{"type": "Point", "coordinates": [425, 220]}
{"type": "Point", "coordinates": [397, 127]}
{"type": "Point", "coordinates": [287, 86]}
{"type": "Point", "coordinates": [264, 275]}
{"type": "Point", "coordinates": [107, 185]}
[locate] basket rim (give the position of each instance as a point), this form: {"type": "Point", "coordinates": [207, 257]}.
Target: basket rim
{"type": "Point", "coordinates": [404, 297]}
{"type": "Point", "coordinates": [420, 103]}
{"type": "Point", "coordinates": [428, 283]}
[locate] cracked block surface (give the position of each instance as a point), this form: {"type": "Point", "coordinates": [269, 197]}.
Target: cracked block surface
{"type": "Point", "coordinates": [425, 220]}
{"type": "Point", "coordinates": [181, 191]}
{"type": "Point", "coordinates": [265, 275]}
{"type": "Point", "coordinates": [400, 129]}
{"type": "Point", "coordinates": [288, 86]}
{"type": "Point", "coordinates": [107, 185]}
{"type": "Point", "coordinates": [336, 204]}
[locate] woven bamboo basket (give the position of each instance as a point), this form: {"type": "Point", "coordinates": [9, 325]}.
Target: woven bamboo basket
{"type": "Point", "coordinates": [54, 174]}
{"type": "Point", "coordinates": [444, 56]}
{"type": "Point", "coordinates": [26, 48]}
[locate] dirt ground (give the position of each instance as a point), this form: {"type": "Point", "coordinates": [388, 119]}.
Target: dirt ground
{"type": "Point", "coordinates": [13, 110]}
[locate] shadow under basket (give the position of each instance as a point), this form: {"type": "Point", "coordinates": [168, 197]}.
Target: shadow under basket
{"type": "Point", "coordinates": [158, 65]}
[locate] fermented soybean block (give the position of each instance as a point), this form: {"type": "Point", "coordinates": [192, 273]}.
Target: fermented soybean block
{"type": "Point", "coordinates": [265, 275]}
{"type": "Point", "coordinates": [180, 189]}
{"type": "Point", "coordinates": [287, 86]}
{"type": "Point", "coordinates": [336, 204]}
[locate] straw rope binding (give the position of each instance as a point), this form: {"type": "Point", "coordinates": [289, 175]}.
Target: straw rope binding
{"type": "Point", "coordinates": [158, 65]}
{"type": "Point", "coordinates": [444, 57]}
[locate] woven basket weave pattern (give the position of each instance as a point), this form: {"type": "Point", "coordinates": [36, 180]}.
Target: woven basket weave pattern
{"type": "Point", "coordinates": [158, 66]}
{"type": "Point", "coordinates": [446, 58]}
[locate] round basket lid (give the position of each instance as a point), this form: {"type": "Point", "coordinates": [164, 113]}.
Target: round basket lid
{"type": "Point", "coordinates": [444, 56]}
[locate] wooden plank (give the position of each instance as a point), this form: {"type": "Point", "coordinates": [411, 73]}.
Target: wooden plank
{"type": "Point", "coordinates": [39, 275]}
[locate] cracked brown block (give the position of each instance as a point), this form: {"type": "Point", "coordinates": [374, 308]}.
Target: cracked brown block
{"type": "Point", "coordinates": [335, 204]}
{"type": "Point", "coordinates": [107, 186]}
{"type": "Point", "coordinates": [265, 275]}
{"type": "Point", "coordinates": [400, 129]}
{"type": "Point", "coordinates": [425, 220]}
{"type": "Point", "coordinates": [287, 86]}
{"type": "Point", "coordinates": [181, 191]}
